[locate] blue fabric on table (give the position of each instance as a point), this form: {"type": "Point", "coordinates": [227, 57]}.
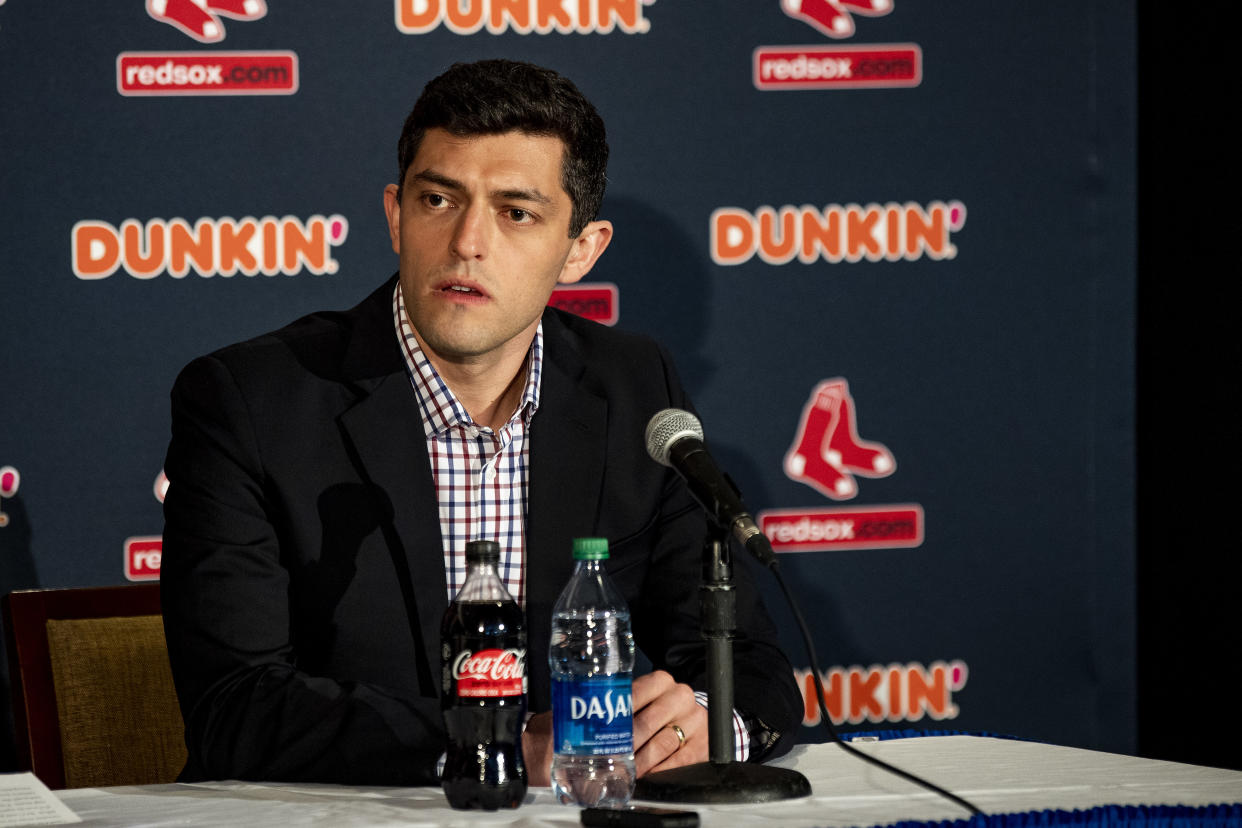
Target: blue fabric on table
{"type": "Point", "coordinates": [1105, 816]}
{"type": "Point", "coordinates": [911, 733]}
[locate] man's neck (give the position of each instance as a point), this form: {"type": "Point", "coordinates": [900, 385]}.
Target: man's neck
{"type": "Point", "coordinates": [489, 387]}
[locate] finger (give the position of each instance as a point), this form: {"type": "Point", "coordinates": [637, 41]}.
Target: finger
{"type": "Point", "coordinates": [665, 750]}
{"type": "Point", "coordinates": [675, 705]}
{"type": "Point", "coordinates": [649, 686]}
{"type": "Point", "coordinates": [692, 752]}
{"type": "Point", "coordinates": [657, 750]}
{"type": "Point", "coordinates": [537, 749]}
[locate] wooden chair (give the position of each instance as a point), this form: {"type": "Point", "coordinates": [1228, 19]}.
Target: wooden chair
{"type": "Point", "coordinates": [93, 698]}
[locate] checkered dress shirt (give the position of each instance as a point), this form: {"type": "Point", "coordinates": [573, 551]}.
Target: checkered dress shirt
{"type": "Point", "coordinates": [481, 476]}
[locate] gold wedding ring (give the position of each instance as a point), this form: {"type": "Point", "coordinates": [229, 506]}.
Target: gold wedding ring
{"type": "Point", "coordinates": [681, 735]}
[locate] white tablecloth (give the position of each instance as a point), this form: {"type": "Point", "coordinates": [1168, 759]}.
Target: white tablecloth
{"type": "Point", "coordinates": [997, 775]}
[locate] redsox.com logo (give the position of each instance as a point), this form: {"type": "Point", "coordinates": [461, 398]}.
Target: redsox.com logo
{"type": "Point", "coordinates": [10, 481]}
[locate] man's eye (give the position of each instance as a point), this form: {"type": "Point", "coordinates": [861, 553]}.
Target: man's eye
{"type": "Point", "coordinates": [434, 200]}
{"type": "Point", "coordinates": [519, 216]}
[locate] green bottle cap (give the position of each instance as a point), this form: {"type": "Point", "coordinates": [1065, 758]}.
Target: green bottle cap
{"type": "Point", "coordinates": [590, 549]}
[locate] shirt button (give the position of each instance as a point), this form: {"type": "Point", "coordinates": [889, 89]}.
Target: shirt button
{"type": "Point", "coordinates": [472, 432]}
{"type": "Point", "coordinates": [490, 474]}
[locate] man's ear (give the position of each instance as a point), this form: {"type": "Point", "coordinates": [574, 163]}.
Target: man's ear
{"type": "Point", "coordinates": [392, 209]}
{"type": "Point", "coordinates": [587, 248]}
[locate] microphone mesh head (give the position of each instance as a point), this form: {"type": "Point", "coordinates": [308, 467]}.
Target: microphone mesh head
{"type": "Point", "coordinates": [667, 427]}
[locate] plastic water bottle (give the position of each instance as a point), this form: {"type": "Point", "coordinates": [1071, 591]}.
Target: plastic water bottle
{"type": "Point", "coordinates": [592, 658]}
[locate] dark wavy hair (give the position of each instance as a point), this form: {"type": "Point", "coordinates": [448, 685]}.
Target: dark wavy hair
{"type": "Point", "coordinates": [495, 96]}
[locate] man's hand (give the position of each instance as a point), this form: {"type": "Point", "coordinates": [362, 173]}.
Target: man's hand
{"type": "Point", "coordinates": [659, 703]}
{"type": "Point", "coordinates": [537, 749]}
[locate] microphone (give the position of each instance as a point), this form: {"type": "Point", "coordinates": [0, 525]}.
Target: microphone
{"type": "Point", "coordinates": [675, 439]}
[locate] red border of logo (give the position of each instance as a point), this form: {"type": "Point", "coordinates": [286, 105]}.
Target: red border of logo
{"type": "Point", "coordinates": [910, 50]}
{"type": "Point", "coordinates": [909, 512]}
{"type": "Point", "coordinates": [197, 58]}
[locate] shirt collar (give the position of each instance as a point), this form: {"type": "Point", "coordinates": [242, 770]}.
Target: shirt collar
{"type": "Point", "coordinates": [441, 409]}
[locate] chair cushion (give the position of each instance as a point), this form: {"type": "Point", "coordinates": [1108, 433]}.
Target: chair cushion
{"type": "Point", "coordinates": [119, 719]}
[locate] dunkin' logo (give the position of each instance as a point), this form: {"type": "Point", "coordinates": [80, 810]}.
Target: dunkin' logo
{"type": "Point", "coordinates": [835, 18]}
{"type": "Point", "coordinates": [10, 481]}
{"type": "Point", "coordinates": [875, 232]}
{"type": "Point", "coordinates": [490, 673]}
{"type": "Point", "coordinates": [201, 19]}
{"type": "Point", "coordinates": [465, 17]}
{"type": "Point", "coordinates": [896, 693]}
{"type": "Point", "coordinates": [211, 247]}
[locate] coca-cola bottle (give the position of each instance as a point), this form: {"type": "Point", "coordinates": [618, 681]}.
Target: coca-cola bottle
{"type": "Point", "coordinates": [483, 659]}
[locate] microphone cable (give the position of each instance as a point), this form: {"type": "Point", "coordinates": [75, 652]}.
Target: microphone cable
{"type": "Point", "coordinates": [827, 720]}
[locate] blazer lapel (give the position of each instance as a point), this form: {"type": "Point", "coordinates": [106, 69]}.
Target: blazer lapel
{"type": "Point", "coordinates": [385, 430]}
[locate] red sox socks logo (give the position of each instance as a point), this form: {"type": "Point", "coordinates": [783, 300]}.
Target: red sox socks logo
{"type": "Point", "coordinates": [832, 17]}
{"type": "Point", "coordinates": [200, 19]}
{"type": "Point", "coordinates": [827, 452]}
{"type": "Point", "coordinates": [9, 482]}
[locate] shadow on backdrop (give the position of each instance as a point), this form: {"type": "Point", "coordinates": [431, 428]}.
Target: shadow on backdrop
{"type": "Point", "coordinates": [17, 571]}
{"type": "Point", "coordinates": [663, 283]}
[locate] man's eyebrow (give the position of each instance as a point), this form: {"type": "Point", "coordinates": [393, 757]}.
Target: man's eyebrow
{"type": "Point", "coordinates": [433, 177]}
{"type": "Point", "coordinates": [440, 180]}
{"type": "Point", "coordinates": [522, 195]}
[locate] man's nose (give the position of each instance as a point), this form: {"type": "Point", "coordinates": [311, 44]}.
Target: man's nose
{"type": "Point", "coordinates": [470, 235]}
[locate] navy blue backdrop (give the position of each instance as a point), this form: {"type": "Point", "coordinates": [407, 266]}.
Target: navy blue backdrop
{"type": "Point", "coordinates": [890, 244]}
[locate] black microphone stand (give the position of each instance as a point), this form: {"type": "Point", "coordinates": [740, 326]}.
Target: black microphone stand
{"type": "Point", "coordinates": [721, 779]}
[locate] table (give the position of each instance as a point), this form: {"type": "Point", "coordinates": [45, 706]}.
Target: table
{"type": "Point", "coordinates": [998, 775]}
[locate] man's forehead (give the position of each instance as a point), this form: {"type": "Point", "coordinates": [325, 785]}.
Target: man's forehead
{"type": "Point", "coordinates": [514, 138]}
{"type": "Point", "coordinates": [514, 159]}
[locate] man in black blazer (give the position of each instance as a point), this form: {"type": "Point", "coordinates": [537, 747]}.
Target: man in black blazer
{"type": "Point", "coordinates": [304, 562]}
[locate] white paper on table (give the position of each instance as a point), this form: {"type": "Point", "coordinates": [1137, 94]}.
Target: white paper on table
{"type": "Point", "coordinates": [24, 800]}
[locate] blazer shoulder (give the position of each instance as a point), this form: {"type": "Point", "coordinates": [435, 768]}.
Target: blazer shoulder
{"type": "Point", "coordinates": [336, 345]}
{"type": "Point", "coordinates": [611, 362]}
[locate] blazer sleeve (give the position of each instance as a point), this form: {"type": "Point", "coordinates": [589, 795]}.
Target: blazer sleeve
{"type": "Point", "coordinates": [250, 712]}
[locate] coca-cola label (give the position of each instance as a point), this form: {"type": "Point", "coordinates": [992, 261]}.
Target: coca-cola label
{"type": "Point", "coordinates": [489, 674]}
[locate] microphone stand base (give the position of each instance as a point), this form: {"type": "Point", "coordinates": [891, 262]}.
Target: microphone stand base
{"type": "Point", "coordinates": [708, 782]}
